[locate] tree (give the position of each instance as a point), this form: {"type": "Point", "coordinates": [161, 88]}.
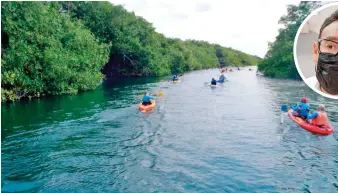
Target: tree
{"type": "Point", "coordinates": [47, 53]}
{"type": "Point", "coordinates": [278, 61]}
{"type": "Point", "coordinates": [51, 48]}
{"type": "Point", "coordinates": [139, 50]}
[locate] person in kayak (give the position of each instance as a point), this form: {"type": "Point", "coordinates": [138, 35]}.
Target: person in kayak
{"type": "Point", "coordinates": [319, 117]}
{"type": "Point", "coordinates": [302, 110]}
{"type": "Point", "coordinates": [222, 78]}
{"type": "Point", "coordinates": [146, 99]}
{"type": "Point", "coordinates": [213, 81]}
{"type": "Point", "coordinates": [175, 77]}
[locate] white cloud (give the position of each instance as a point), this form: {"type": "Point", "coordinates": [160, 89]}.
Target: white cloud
{"type": "Point", "coordinates": [203, 6]}
{"type": "Point", "coordinates": [246, 26]}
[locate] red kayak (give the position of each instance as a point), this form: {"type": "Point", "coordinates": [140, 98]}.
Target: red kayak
{"type": "Point", "coordinates": [325, 130]}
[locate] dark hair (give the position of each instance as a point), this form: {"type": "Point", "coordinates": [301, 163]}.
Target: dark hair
{"type": "Point", "coordinates": [333, 17]}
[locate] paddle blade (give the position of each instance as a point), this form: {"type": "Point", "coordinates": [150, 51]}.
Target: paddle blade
{"type": "Point", "coordinates": [284, 108]}
{"type": "Point", "coordinates": [160, 94]}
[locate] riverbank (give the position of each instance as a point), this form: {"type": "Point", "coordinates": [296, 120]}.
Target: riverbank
{"type": "Point", "coordinates": [110, 81]}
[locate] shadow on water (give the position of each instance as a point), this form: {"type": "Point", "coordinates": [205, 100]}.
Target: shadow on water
{"type": "Point", "coordinates": [28, 114]}
{"type": "Point", "coordinates": [47, 110]}
{"type": "Point", "coordinates": [125, 81]}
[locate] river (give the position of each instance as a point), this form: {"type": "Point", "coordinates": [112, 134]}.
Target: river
{"type": "Point", "coordinates": [198, 139]}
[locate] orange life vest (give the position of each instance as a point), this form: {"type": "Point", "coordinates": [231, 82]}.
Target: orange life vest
{"type": "Point", "coordinates": [321, 119]}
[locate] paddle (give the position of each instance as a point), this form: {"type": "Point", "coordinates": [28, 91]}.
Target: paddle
{"type": "Point", "coordinates": [159, 94]}
{"type": "Point", "coordinates": [284, 109]}
{"type": "Point", "coordinates": [225, 80]}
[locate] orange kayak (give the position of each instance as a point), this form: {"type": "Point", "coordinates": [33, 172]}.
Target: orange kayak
{"type": "Point", "coordinates": [325, 130]}
{"type": "Point", "coordinates": [147, 108]}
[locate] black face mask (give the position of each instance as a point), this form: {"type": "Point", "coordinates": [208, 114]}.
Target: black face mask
{"type": "Point", "coordinates": [327, 72]}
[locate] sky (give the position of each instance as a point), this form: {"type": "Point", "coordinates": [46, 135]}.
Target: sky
{"type": "Point", "coordinates": [243, 25]}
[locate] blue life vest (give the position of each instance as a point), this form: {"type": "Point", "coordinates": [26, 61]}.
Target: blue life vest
{"type": "Point", "coordinates": [146, 98]}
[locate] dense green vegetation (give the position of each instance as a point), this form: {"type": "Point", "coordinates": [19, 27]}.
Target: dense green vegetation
{"type": "Point", "coordinates": [66, 47]}
{"type": "Point", "coordinates": [138, 49]}
{"type": "Point", "coordinates": [278, 61]}
{"type": "Point", "coordinates": [45, 52]}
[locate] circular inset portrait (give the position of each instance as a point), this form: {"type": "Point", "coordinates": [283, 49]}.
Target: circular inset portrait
{"type": "Point", "coordinates": [316, 50]}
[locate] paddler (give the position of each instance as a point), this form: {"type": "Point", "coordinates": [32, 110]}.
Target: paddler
{"type": "Point", "coordinates": [175, 78]}
{"type": "Point", "coordinates": [302, 110]}
{"type": "Point", "coordinates": [146, 99]}
{"type": "Point", "coordinates": [319, 117]}
{"type": "Point", "coordinates": [222, 78]}
{"type": "Point", "coordinates": [213, 81]}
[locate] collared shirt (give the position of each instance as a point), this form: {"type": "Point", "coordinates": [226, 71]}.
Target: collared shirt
{"type": "Point", "coordinates": [313, 82]}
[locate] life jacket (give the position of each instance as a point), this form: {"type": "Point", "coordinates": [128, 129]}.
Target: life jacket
{"type": "Point", "coordinates": [213, 82]}
{"type": "Point", "coordinates": [146, 99]}
{"type": "Point", "coordinates": [304, 109]}
{"type": "Point", "coordinates": [321, 119]}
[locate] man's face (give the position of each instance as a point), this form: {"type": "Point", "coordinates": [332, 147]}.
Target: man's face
{"type": "Point", "coordinates": [330, 32]}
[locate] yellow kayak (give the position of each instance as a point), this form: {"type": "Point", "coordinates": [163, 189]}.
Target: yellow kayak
{"type": "Point", "coordinates": [176, 81]}
{"type": "Point", "coordinates": [147, 108]}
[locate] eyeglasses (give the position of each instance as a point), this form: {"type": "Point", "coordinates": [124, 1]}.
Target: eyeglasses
{"type": "Point", "coordinates": [328, 46]}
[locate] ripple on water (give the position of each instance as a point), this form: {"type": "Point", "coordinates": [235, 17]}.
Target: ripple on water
{"type": "Point", "coordinates": [197, 139]}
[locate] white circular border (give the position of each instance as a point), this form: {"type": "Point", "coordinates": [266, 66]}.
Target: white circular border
{"type": "Point", "coordinates": [295, 49]}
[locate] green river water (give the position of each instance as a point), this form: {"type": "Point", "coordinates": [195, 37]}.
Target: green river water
{"type": "Point", "coordinates": [197, 139]}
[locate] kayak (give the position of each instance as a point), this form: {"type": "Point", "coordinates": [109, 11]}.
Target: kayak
{"type": "Point", "coordinates": [176, 81]}
{"type": "Point", "coordinates": [325, 130]}
{"type": "Point", "coordinates": [226, 80]}
{"type": "Point", "coordinates": [213, 86]}
{"type": "Point", "coordinates": [147, 108]}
